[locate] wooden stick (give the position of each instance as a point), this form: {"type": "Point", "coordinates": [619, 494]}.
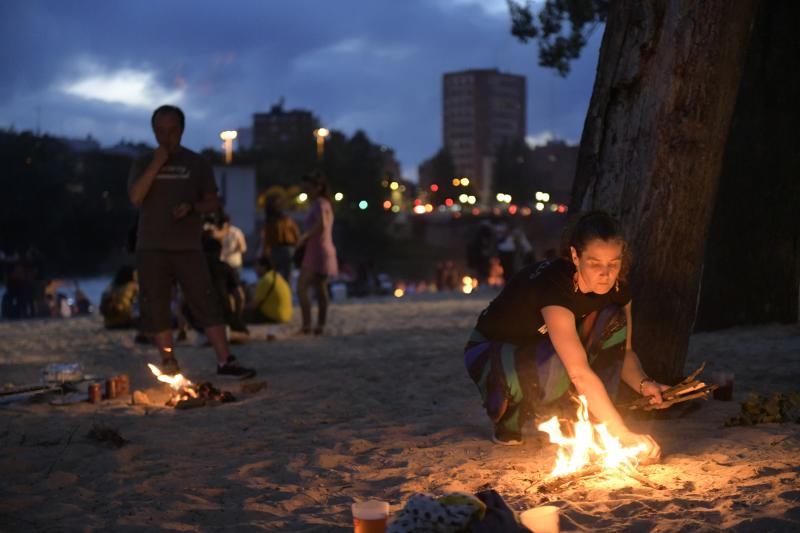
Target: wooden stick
{"type": "Point", "coordinates": [703, 393]}
{"type": "Point", "coordinates": [560, 481]}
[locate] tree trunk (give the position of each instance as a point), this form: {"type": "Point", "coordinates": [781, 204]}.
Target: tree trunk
{"type": "Point", "coordinates": [652, 148]}
{"type": "Point", "coordinates": [750, 274]}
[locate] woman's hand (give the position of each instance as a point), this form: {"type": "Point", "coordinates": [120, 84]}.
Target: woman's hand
{"type": "Point", "coordinates": [652, 453]}
{"type": "Point", "coordinates": [653, 389]}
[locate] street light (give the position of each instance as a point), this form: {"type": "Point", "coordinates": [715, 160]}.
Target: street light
{"type": "Point", "coordinates": [228, 137]}
{"type": "Point", "coordinates": [321, 134]}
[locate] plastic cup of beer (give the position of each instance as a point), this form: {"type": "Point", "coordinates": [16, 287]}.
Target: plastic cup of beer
{"type": "Point", "coordinates": [542, 519]}
{"type": "Point", "coordinates": [370, 516]}
{"type": "Point", "coordinates": [724, 379]}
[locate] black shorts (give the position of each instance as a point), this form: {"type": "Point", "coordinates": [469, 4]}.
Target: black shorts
{"type": "Point", "coordinates": [158, 272]}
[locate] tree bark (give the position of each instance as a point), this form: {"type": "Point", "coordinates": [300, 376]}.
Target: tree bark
{"type": "Point", "coordinates": [652, 148]}
{"type": "Point", "coordinates": [750, 273]}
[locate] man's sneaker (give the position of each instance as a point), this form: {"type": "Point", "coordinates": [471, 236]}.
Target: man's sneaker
{"type": "Point", "coordinates": [170, 366]}
{"type": "Point", "coordinates": [506, 438]}
{"type": "Point", "coordinates": [233, 369]}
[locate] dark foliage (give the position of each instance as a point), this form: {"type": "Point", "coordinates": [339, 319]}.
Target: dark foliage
{"type": "Point", "coordinates": [561, 28]}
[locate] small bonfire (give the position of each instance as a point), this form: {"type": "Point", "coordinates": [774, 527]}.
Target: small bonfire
{"type": "Point", "coordinates": [186, 395]}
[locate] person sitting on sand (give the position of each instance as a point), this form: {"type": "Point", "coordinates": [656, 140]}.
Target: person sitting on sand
{"type": "Point", "coordinates": [272, 301]}
{"type": "Point", "coordinates": [557, 324]}
{"type": "Point", "coordinates": [117, 304]}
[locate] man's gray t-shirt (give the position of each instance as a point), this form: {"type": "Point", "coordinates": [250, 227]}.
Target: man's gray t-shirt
{"type": "Point", "coordinates": [185, 178]}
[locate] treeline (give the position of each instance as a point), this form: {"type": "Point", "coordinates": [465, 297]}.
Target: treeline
{"type": "Point", "coordinates": [71, 207]}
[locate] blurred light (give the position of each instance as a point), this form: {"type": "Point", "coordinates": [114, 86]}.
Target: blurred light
{"type": "Point", "coordinates": [402, 188]}
{"type": "Point", "coordinates": [387, 204]}
{"type": "Point", "coordinates": [476, 211]}
{"type": "Point", "coordinates": [539, 206]}
{"type": "Point", "coordinates": [434, 187]}
{"type": "Point", "coordinates": [500, 196]}
{"type": "Point", "coordinates": [553, 208]}
{"type": "Point", "coordinates": [394, 185]}
{"type": "Point", "coordinates": [419, 209]}
{"type": "Point", "coordinates": [302, 197]}
{"type": "Point", "coordinates": [562, 208]}
{"type": "Point", "coordinates": [465, 182]}
{"type": "Point", "coordinates": [384, 183]}
{"type": "Point", "coordinates": [363, 205]}
{"type": "Point", "coordinates": [545, 197]}
{"type": "Point", "coordinates": [229, 135]}
{"type": "Point", "coordinates": [456, 182]}
{"type": "Point", "coordinates": [321, 132]}
{"type": "Point", "coordinates": [512, 209]}
{"type": "Point", "coordinates": [471, 199]}
{"type": "Point", "coordinates": [338, 196]}
{"type": "Point", "coordinates": [417, 202]}
{"type": "Point", "coordinates": [395, 209]}
{"type": "Point", "coordinates": [526, 211]}
{"type": "Point", "coordinates": [428, 208]}
{"type": "Point", "coordinates": [463, 198]}
{"type": "Point", "coordinates": [398, 293]}
{"type": "Point", "coordinates": [448, 202]}
{"type": "Point", "coordinates": [538, 196]}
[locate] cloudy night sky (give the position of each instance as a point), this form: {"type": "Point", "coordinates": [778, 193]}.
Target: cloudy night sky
{"type": "Point", "coordinates": [99, 67]}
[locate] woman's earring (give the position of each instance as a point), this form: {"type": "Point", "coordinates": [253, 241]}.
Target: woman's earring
{"type": "Point", "coordinates": [616, 285]}
{"type": "Point", "coordinates": [575, 283]}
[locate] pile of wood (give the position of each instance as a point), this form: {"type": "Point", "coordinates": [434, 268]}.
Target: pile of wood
{"type": "Point", "coordinates": [689, 388]}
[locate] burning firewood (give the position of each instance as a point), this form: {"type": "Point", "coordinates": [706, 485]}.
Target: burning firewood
{"type": "Point", "coordinates": [688, 389]}
{"type": "Point", "coordinates": [187, 395]}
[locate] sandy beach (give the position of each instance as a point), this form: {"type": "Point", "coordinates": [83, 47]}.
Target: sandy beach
{"type": "Point", "coordinates": [380, 408]}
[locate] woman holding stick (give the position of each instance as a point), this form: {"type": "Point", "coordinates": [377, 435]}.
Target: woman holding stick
{"type": "Point", "coordinates": [561, 323]}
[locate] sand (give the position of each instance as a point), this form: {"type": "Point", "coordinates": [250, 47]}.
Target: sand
{"type": "Point", "coordinates": [380, 408]}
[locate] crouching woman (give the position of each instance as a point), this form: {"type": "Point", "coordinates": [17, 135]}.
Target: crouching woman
{"type": "Point", "coordinates": [560, 324]}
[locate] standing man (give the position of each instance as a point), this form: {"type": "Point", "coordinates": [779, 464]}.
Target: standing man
{"type": "Point", "coordinates": [172, 188]}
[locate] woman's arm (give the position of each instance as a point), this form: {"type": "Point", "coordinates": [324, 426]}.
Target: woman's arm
{"type": "Point", "coordinates": [324, 219]}
{"type": "Point", "coordinates": [632, 373]}
{"type": "Point", "coordinates": [564, 335]}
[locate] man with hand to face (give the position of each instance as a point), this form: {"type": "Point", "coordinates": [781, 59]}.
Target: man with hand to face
{"type": "Point", "coordinates": [172, 187]}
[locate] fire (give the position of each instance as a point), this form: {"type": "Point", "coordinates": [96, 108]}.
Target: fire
{"type": "Point", "coordinates": [182, 386]}
{"type": "Point", "coordinates": [592, 444]}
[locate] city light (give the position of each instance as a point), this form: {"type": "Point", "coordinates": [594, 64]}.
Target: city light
{"type": "Point", "coordinates": [363, 204]}
{"type": "Point", "coordinates": [448, 202]}
{"type": "Point", "coordinates": [302, 197]}
{"type": "Point", "coordinates": [553, 208]}
{"type": "Point", "coordinates": [398, 293]}
{"type": "Point", "coordinates": [512, 209]}
{"type": "Point", "coordinates": [228, 137]}
{"type": "Point", "coordinates": [465, 182]}
{"type": "Point", "coordinates": [539, 206]}
{"type": "Point", "coordinates": [502, 197]}
{"type": "Point", "coordinates": [463, 198]}
{"type": "Point", "coordinates": [471, 199]}
{"type": "Point", "coordinates": [338, 196]}
{"type": "Point", "coordinates": [395, 209]}
{"type": "Point", "coordinates": [562, 208]}
{"type": "Point", "coordinates": [419, 209]}
{"type": "Point", "coordinates": [456, 182]}
{"type": "Point", "coordinates": [428, 208]}
{"type": "Point", "coordinates": [387, 204]}
{"type": "Point", "coordinates": [434, 187]}
{"type": "Point", "coordinates": [476, 211]}
{"type": "Point", "coordinates": [542, 196]}
{"type": "Point", "coordinates": [394, 185]}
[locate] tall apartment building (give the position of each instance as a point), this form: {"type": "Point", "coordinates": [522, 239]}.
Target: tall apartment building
{"type": "Point", "coordinates": [481, 109]}
{"type": "Point", "coordinates": [281, 127]}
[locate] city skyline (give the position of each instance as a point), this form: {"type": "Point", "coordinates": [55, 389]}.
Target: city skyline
{"type": "Point", "coordinates": [100, 69]}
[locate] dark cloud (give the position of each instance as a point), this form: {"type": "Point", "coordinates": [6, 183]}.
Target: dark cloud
{"type": "Point", "coordinates": [371, 65]}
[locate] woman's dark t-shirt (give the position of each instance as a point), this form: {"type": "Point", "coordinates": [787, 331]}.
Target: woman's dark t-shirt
{"type": "Point", "coordinates": [515, 316]}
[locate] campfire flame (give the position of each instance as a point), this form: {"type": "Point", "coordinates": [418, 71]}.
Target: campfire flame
{"type": "Point", "coordinates": [592, 444]}
{"type": "Point", "coordinates": [183, 387]}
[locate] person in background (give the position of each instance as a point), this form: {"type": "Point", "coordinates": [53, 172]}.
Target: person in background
{"type": "Point", "coordinates": [319, 256]}
{"type": "Point", "coordinates": [560, 325]}
{"type": "Point", "coordinates": [272, 301]}
{"type": "Point", "coordinates": [234, 245]}
{"type": "Point", "coordinates": [278, 238]}
{"type": "Point", "coordinates": [172, 187]}
{"type": "Point", "coordinates": [118, 302]}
